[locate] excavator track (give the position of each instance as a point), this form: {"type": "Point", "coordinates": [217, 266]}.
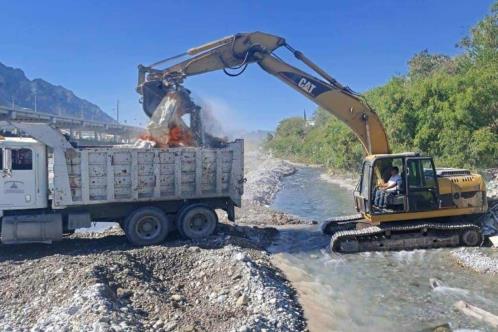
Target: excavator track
{"type": "Point", "coordinates": [341, 223]}
{"type": "Point", "coordinates": [423, 235]}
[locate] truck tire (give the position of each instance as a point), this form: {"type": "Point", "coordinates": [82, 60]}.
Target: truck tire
{"type": "Point", "coordinates": [147, 226]}
{"type": "Point", "coordinates": [197, 221]}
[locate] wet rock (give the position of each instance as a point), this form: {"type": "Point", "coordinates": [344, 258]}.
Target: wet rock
{"type": "Point", "coordinates": [435, 283]}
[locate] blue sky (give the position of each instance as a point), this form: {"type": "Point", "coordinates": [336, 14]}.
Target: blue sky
{"type": "Point", "coordinates": [94, 47]}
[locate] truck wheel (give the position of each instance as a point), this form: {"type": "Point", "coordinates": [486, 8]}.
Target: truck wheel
{"type": "Point", "coordinates": [197, 221]}
{"type": "Point", "coordinates": [147, 226]}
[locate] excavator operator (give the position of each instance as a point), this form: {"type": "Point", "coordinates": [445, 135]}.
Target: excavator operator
{"type": "Point", "coordinates": [385, 190]}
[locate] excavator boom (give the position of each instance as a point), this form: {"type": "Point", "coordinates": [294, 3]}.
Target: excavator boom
{"type": "Point", "coordinates": [237, 51]}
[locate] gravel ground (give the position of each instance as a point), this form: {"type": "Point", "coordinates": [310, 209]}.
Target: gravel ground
{"type": "Point", "coordinates": [98, 282]}
{"type": "Point", "coordinates": [482, 260]}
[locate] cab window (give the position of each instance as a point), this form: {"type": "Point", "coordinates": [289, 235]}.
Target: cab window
{"type": "Point", "coordinates": [421, 174]}
{"type": "Point", "coordinates": [414, 176]}
{"type": "Point", "coordinates": [429, 176]}
{"type": "Point", "coordinates": [22, 159]}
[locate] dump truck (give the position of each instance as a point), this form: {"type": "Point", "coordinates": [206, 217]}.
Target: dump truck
{"type": "Point", "coordinates": [49, 187]}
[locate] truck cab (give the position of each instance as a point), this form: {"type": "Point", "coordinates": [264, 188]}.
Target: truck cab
{"type": "Point", "coordinates": [23, 181]}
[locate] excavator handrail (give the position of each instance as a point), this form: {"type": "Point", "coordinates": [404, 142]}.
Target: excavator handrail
{"type": "Point", "coordinates": [239, 50]}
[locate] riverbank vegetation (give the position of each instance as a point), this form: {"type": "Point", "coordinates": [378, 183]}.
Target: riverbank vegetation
{"type": "Point", "coordinates": [446, 107]}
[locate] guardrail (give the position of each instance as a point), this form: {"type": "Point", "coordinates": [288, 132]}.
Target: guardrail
{"type": "Point", "coordinates": [68, 122]}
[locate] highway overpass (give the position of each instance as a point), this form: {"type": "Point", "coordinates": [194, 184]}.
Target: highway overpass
{"type": "Point", "coordinates": [78, 128]}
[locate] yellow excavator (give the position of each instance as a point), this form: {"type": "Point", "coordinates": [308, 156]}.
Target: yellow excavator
{"type": "Point", "coordinates": [427, 207]}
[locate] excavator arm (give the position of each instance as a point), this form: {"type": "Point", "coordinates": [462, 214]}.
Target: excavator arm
{"type": "Point", "coordinates": [237, 51]}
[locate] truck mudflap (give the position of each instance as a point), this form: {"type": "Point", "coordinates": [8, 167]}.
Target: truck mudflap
{"type": "Point", "coordinates": [43, 228]}
{"type": "Point", "coordinates": [231, 211]}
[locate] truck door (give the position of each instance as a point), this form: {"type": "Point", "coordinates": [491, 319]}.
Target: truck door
{"type": "Point", "coordinates": [362, 191]}
{"type": "Point", "coordinates": [422, 187]}
{"type": "Point", "coordinates": [17, 182]}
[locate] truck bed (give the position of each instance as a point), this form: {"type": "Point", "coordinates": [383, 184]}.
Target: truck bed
{"type": "Point", "coordinates": [122, 174]}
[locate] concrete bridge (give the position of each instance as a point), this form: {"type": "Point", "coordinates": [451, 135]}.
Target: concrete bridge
{"type": "Point", "coordinates": [78, 128]}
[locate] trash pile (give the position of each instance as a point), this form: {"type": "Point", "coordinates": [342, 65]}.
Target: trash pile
{"type": "Point", "coordinates": [169, 127]}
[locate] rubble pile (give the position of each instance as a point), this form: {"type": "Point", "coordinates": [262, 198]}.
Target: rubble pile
{"type": "Point", "coordinates": [492, 185]}
{"type": "Point", "coordinates": [489, 221]}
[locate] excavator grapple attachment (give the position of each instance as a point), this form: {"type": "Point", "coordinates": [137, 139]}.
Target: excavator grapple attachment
{"type": "Point", "coordinates": [153, 93]}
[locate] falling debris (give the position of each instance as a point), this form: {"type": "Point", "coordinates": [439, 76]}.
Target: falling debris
{"type": "Point", "coordinates": [177, 122]}
{"type": "Point", "coordinates": [166, 127]}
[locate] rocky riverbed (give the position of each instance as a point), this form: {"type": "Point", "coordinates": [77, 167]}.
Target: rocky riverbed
{"type": "Point", "coordinates": [98, 282]}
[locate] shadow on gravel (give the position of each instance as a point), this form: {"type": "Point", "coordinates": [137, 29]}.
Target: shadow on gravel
{"type": "Point", "coordinates": [111, 241]}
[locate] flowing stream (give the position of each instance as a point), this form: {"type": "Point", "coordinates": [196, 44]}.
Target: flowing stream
{"type": "Point", "coordinates": [391, 291]}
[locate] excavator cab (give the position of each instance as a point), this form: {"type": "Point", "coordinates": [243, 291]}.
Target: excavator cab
{"type": "Point", "coordinates": [416, 190]}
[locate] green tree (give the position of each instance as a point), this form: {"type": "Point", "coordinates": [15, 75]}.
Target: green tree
{"type": "Point", "coordinates": [424, 63]}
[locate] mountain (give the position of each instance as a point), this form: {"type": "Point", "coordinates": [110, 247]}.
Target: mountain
{"type": "Point", "coordinates": [53, 99]}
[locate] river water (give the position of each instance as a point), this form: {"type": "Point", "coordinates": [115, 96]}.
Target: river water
{"type": "Point", "coordinates": [370, 291]}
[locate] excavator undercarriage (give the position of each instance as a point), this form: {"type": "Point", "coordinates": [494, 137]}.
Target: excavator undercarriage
{"type": "Point", "coordinates": [354, 234]}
